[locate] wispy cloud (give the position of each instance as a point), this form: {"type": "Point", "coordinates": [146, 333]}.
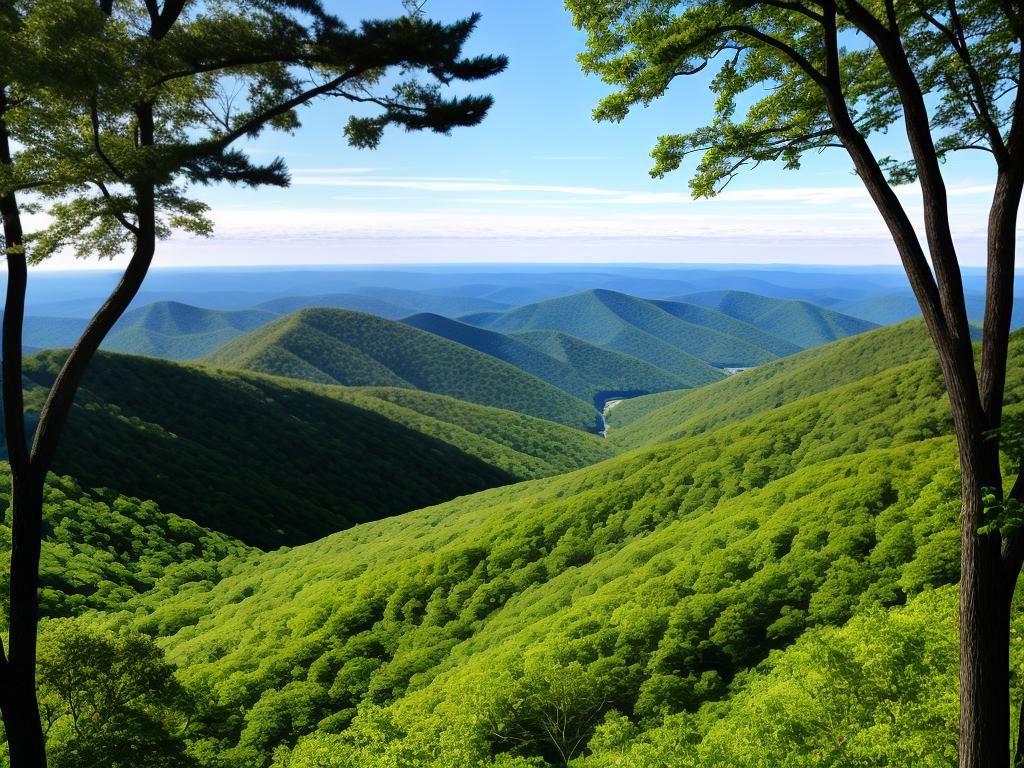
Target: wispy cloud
{"type": "Point", "coordinates": [848, 195]}
{"type": "Point", "coordinates": [455, 184]}
{"type": "Point", "coordinates": [337, 170]}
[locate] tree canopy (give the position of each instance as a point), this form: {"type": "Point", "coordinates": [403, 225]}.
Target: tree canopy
{"type": "Point", "coordinates": [779, 85]}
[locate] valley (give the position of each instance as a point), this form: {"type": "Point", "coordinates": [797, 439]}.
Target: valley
{"type": "Point", "coordinates": [407, 521]}
{"type": "Point", "coordinates": [739, 523]}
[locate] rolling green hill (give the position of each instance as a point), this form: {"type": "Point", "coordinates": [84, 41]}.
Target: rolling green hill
{"type": "Point", "coordinates": [272, 461]}
{"type": "Point", "coordinates": [101, 549]}
{"type": "Point", "coordinates": [671, 606]}
{"type": "Point", "coordinates": [771, 386]}
{"type": "Point", "coordinates": [800, 322]}
{"type": "Point", "coordinates": [178, 331]}
{"type": "Point", "coordinates": [584, 370]}
{"type": "Point", "coordinates": [42, 332]}
{"type": "Point", "coordinates": [626, 324]}
{"type": "Point", "coordinates": [333, 346]}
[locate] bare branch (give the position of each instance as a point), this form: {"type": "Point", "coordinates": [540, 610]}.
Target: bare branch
{"type": "Point", "coordinates": [95, 118]}
{"type": "Point", "coordinates": [116, 214]}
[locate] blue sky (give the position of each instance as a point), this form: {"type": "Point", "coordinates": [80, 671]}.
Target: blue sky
{"type": "Point", "coordinates": [540, 181]}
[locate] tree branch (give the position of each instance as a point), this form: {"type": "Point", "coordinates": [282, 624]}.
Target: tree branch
{"type": "Point", "coordinates": [933, 192]}
{"type": "Point", "coordinates": [791, 53]}
{"type": "Point", "coordinates": [979, 101]}
{"type": "Point", "coordinates": [907, 244]}
{"type": "Point", "coordinates": [95, 120]}
{"type": "Point", "coordinates": [57, 407]}
{"type": "Point", "coordinates": [258, 121]}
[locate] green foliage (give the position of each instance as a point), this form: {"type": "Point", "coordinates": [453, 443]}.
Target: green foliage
{"type": "Point", "coordinates": [881, 690]}
{"type": "Point", "coordinates": [178, 331]}
{"type": "Point", "coordinates": [101, 549]}
{"type": "Point", "coordinates": [635, 602]}
{"type": "Point", "coordinates": [769, 75]}
{"type": "Point", "coordinates": [234, 449]}
{"type": "Point", "coordinates": [333, 346]}
{"type": "Point", "coordinates": [109, 699]}
{"type": "Point", "coordinates": [580, 368]}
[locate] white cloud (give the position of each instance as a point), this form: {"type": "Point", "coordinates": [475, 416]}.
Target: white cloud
{"type": "Point", "coordinates": [428, 184]}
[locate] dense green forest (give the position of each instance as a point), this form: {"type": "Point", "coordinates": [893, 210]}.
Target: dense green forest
{"type": "Point", "coordinates": [234, 449]}
{"type": "Point", "coordinates": [580, 368]}
{"type": "Point", "coordinates": [658, 331]}
{"type": "Point", "coordinates": [179, 331]}
{"type": "Point", "coordinates": [760, 582]}
{"type": "Point", "coordinates": [799, 322]}
{"type": "Point", "coordinates": [335, 346]}
{"type": "Point", "coordinates": [468, 442]}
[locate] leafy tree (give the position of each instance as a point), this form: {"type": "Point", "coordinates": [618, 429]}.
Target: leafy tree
{"type": "Point", "coordinates": [799, 76]}
{"type": "Point", "coordinates": [111, 111]}
{"type": "Point", "coordinates": [109, 700]}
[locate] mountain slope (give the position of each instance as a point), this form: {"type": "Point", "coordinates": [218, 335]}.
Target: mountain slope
{"type": "Point", "coordinates": [101, 549]}
{"type": "Point", "coordinates": [633, 594]}
{"type": "Point", "coordinates": [179, 331]}
{"type": "Point", "coordinates": [42, 332]}
{"type": "Point", "coordinates": [606, 317]}
{"type": "Point", "coordinates": [275, 462]}
{"type": "Point", "coordinates": [800, 322]}
{"type": "Point", "coordinates": [771, 386]}
{"type": "Point", "coordinates": [607, 371]}
{"type": "Point", "coordinates": [332, 346]}
{"type": "Point", "coordinates": [582, 369]}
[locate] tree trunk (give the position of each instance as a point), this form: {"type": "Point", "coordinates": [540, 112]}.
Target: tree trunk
{"type": "Point", "coordinates": [985, 603]}
{"type": "Point", "coordinates": [18, 703]}
{"type": "Point", "coordinates": [24, 733]}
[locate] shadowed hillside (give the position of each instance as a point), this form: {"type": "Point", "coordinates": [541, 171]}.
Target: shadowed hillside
{"type": "Point", "coordinates": [277, 462]}
{"type": "Point", "coordinates": [580, 368]}
{"type": "Point", "coordinates": [333, 346]}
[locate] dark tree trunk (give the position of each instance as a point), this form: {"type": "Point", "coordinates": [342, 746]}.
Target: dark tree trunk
{"type": "Point", "coordinates": [18, 703]}
{"type": "Point", "coordinates": [985, 600]}
{"type": "Point", "coordinates": [19, 707]}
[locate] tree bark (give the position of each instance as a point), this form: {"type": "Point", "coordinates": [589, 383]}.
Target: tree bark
{"type": "Point", "coordinates": [18, 704]}
{"type": "Point", "coordinates": [985, 599]}
{"type": "Point", "coordinates": [18, 701]}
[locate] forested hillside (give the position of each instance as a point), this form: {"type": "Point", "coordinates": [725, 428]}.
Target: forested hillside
{"type": "Point", "coordinates": [630, 599]}
{"type": "Point", "coordinates": [334, 346]}
{"type": "Point", "coordinates": [580, 368]}
{"type": "Point", "coordinates": [799, 322]}
{"type": "Point", "coordinates": [180, 331]}
{"type": "Point", "coordinates": [101, 549]}
{"type": "Point", "coordinates": [648, 420]}
{"type": "Point", "coordinates": [274, 462]}
{"type": "Point", "coordinates": [654, 329]}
